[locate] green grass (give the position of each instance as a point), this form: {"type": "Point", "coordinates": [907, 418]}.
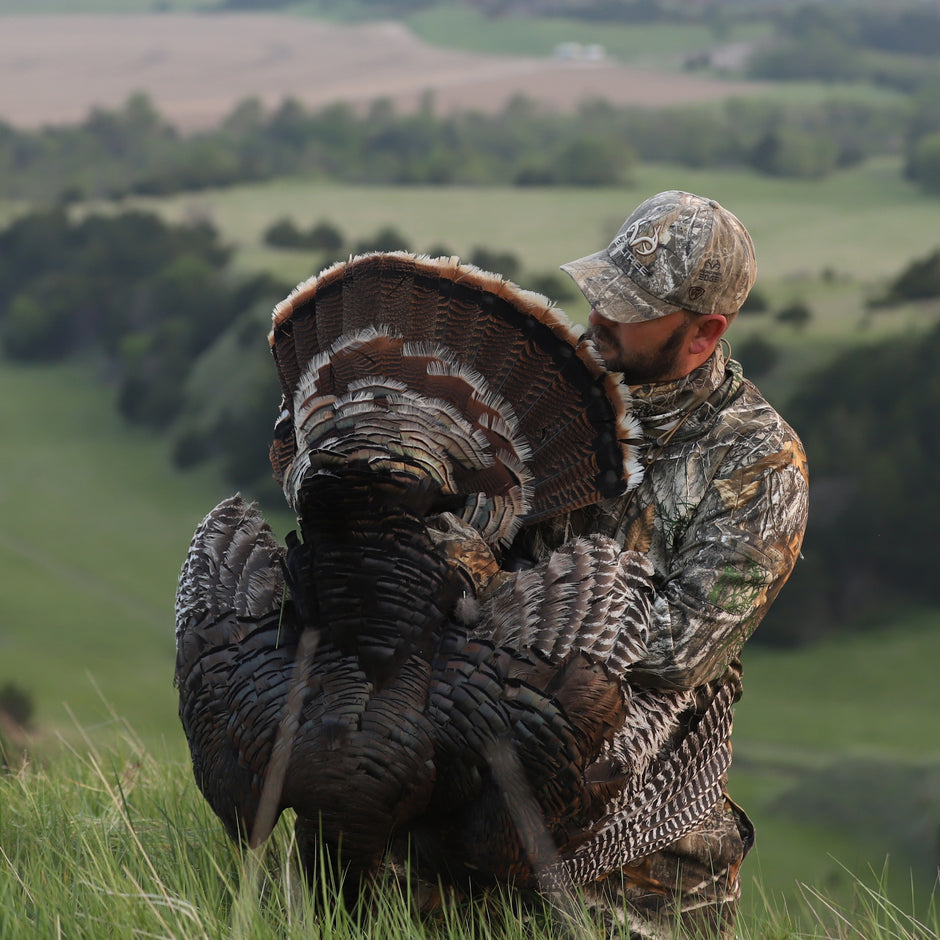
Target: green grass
{"type": "Point", "coordinates": [874, 693]}
{"type": "Point", "coordinates": [856, 716]}
{"type": "Point", "coordinates": [94, 524]}
{"type": "Point", "coordinates": [110, 840]}
{"type": "Point", "coordinates": [657, 45]}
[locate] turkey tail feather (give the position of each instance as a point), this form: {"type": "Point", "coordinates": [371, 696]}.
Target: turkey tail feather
{"type": "Point", "coordinates": [503, 357]}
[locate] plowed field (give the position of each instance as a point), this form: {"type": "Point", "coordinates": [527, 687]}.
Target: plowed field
{"type": "Point", "coordinates": [53, 69]}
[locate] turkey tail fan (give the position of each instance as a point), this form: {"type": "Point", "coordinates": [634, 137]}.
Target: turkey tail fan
{"type": "Point", "coordinates": [504, 366]}
{"type": "Point", "coordinates": [417, 415]}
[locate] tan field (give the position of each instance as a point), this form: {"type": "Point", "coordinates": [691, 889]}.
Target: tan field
{"type": "Point", "coordinates": [54, 69]}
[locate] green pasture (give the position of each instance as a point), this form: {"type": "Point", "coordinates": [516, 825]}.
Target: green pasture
{"type": "Point", "coordinates": [660, 45]}
{"type": "Point", "coordinates": [860, 225]}
{"type": "Point", "coordinates": [837, 759]}
{"type": "Point", "coordinates": [831, 243]}
{"type": "Point", "coordinates": [94, 525]}
{"type": "Point", "coordinates": [875, 693]}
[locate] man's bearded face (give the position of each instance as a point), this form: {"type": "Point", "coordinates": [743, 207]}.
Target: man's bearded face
{"type": "Point", "coordinates": [646, 352]}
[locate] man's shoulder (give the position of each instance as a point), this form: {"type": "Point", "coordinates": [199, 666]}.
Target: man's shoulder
{"type": "Point", "coordinates": [752, 428]}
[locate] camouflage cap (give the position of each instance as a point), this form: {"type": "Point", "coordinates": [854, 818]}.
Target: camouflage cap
{"type": "Point", "coordinates": [677, 251]}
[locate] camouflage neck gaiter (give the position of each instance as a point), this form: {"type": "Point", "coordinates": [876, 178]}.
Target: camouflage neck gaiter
{"type": "Point", "coordinates": [659, 407]}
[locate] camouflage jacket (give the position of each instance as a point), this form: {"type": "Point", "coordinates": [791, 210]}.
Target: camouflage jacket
{"type": "Point", "coordinates": [725, 481]}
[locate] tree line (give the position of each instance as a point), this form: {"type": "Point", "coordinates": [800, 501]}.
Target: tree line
{"type": "Point", "coordinates": [133, 150]}
{"type": "Point", "coordinates": [867, 421]}
{"type": "Point", "coordinates": [182, 339]}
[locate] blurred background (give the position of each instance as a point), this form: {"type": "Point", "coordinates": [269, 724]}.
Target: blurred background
{"type": "Point", "coordinates": [170, 169]}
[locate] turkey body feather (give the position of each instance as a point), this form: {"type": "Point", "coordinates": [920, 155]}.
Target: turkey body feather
{"type": "Point", "coordinates": [358, 676]}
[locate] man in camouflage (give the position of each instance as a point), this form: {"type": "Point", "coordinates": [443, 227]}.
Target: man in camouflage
{"type": "Point", "coordinates": [721, 512]}
{"type": "Point", "coordinates": [725, 489]}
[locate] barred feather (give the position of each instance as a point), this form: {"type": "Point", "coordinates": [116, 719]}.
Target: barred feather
{"type": "Point", "coordinates": [587, 597]}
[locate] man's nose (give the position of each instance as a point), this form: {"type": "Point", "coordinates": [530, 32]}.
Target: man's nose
{"type": "Point", "coordinates": [596, 319]}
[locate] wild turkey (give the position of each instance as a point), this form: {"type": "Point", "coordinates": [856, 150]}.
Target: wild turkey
{"type": "Point", "coordinates": [379, 674]}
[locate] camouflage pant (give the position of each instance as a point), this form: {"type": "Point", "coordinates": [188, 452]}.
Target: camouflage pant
{"type": "Point", "coordinates": [687, 891]}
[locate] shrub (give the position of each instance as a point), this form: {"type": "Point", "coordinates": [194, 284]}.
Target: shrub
{"type": "Point", "coordinates": [756, 302]}
{"type": "Point", "coordinates": [920, 280]}
{"type": "Point", "coordinates": [757, 355]}
{"type": "Point", "coordinates": [283, 233]}
{"type": "Point", "coordinates": [796, 314]}
{"type": "Point", "coordinates": [924, 163]}
{"type": "Point", "coordinates": [17, 704]}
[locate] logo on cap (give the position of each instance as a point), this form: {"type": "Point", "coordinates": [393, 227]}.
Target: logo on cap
{"type": "Point", "coordinates": [637, 243]}
{"type": "Point", "coordinates": [711, 271]}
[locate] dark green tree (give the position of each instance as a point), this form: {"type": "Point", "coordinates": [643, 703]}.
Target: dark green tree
{"type": "Point", "coordinates": [756, 302]}
{"type": "Point", "coordinates": [325, 236]}
{"type": "Point", "coordinates": [867, 422]}
{"type": "Point", "coordinates": [500, 262]}
{"type": "Point", "coordinates": [796, 314]}
{"type": "Point", "coordinates": [920, 280]}
{"type": "Point", "coordinates": [593, 161]}
{"type": "Point", "coordinates": [387, 238]}
{"type": "Point", "coordinates": [923, 164]}
{"type": "Point", "coordinates": [757, 355]}
{"type": "Point", "coordinates": [283, 233]}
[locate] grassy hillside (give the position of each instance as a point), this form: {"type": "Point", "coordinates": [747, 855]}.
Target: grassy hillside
{"type": "Point", "coordinates": [91, 514]}
{"type": "Point", "coordinates": [94, 527]}
{"type": "Point", "coordinates": [837, 759]}
{"type": "Point", "coordinates": [837, 753]}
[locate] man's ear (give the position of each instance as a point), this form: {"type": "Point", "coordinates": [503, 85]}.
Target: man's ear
{"type": "Point", "coordinates": [707, 329]}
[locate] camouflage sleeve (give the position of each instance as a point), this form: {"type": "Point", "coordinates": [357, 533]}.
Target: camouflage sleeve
{"type": "Point", "coordinates": [733, 558]}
